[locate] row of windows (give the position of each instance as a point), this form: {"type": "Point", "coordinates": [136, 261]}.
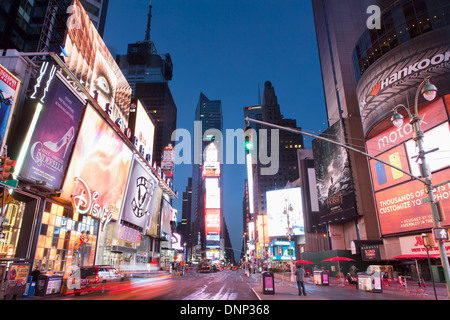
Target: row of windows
{"type": "Point", "coordinates": [401, 23]}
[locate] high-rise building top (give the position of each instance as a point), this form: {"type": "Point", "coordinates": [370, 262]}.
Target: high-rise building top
{"type": "Point", "coordinates": [143, 64]}
{"type": "Point", "coordinates": [148, 74]}
{"type": "Point", "coordinates": [288, 145]}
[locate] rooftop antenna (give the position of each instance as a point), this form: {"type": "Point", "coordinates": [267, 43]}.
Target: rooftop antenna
{"type": "Point", "coordinates": [147, 33]}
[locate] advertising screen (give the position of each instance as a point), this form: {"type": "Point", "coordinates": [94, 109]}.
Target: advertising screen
{"type": "Point", "coordinates": [386, 176]}
{"type": "Point", "coordinates": [277, 202]}
{"type": "Point", "coordinates": [166, 217]}
{"type": "Point", "coordinates": [402, 202]}
{"type": "Point", "coordinates": [262, 229]}
{"type": "Point", "coordinates": [212, 193]}
{"type": "Point", "coordinates": [280, 250]}
{"type": "Point", "coordinates": [212, 221]}
{"type": "Point", "coordinates": [333, 176]}
{"type": "Point", "coordinates": [9, 87]}
{"type": "Point", "coordinates": [102, 160]}
{"type": "Point", "coordinates": [89, 59]}
{"type": "Point", "coordinates": [53, 138]}
{"type": "Point", "coordinates": [140, 195]}
{"type": "Point", "coordinates": [212, 241]}
{"type": "Point", "coordinates": [142, 128]}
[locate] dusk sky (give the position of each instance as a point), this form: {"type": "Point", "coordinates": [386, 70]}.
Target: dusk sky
{"type": "Point", "coordinates": [226, 49]}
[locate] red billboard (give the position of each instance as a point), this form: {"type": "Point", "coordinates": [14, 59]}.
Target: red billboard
{"type": "Point", "coordinates": [212, 221]}
{"type": "Point", "coordinates": [401, 201]}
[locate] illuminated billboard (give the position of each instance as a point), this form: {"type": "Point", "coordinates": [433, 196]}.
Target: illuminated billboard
{"type": "Point", "coordinates": [401, 201]}
{"type": "Point", "coordinates": [52, 137]}
{"type": "Point", "coordinates": [140, 196]}
{"type": "Point", "coordinates": [102, 159]}
{"type": "Point", "coordinates": [166, 217]}
{"type": "Point", "coordinates": [262, 229]}
{"type": "Point", "coordinates": [142, 129]}
{"type": "Point", "coordinates": [212, 221]}
{"type": "Point", "coordinates": [212, 193]}
{"type": "Point", "coordinates": [211, 166]}
{"type": "Point", "coordinates": [9, 88]}
{"type": "Point", "coordinates": [334, 178]}
{"type": "Point", "coordinates": [277, 202]}
{"type": "Point", "coordinates": [90, 60]}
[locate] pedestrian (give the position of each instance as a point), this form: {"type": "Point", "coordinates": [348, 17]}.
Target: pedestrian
{"type": "Point", "coordinates": [35, 273]}
{"type": "Point", "coordinates": [300, 275]}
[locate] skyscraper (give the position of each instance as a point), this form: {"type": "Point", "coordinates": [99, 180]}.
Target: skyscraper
{"type": "Point", "coordinates": [288, 144]}
{"type": "Point", "coordinates": [338, 29]}
{"type": "Point", "coordinates": [207, 174]}
{"type": "Point", "coordinates": [148, 74]}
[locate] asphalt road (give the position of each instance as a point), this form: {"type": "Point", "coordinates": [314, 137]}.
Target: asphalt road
{"type": "Point", "coordinates": [222, 285]}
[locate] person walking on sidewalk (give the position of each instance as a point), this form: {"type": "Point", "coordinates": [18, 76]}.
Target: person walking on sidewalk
{"type": "Point", "coordinates": [300, 275]}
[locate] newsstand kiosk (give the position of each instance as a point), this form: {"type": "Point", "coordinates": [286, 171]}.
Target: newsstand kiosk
{"type": "Point", "coordinates": [321, 278]}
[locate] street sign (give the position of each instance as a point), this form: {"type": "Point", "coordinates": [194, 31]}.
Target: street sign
{"type": "Point", "coordinates": [441, 234]}
{"type": "Point", "coordinates": [10, 183]}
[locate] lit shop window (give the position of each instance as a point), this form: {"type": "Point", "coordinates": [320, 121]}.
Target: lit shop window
{"type": "Point", "coordinates": [12, 223]}
{"type": "Point", "coordinates": [57, 238]}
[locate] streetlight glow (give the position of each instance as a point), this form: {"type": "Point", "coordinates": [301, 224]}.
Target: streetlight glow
{"type": "Point", "coordinates": [429, 91]}
{"type": "Point", "coordinates": [397, 119]}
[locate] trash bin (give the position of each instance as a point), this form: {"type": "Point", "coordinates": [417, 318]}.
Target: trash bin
{"type": "Point", "coordinates": [29, 290]}
{"type": "Point", "coordinates": [47, 285]}
{"type": "Point", "coordinates": [377, 282]}
{"type": "Point", "coordinates": [268, 282]}
{"type": "Point", "coordinates": [321, 278]}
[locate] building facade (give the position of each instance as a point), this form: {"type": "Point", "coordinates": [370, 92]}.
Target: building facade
{"type": "Point", "coordinates": [266, 176]}
{"type": "Point", "coordinates": [207, 185]}
{"type": "Point", "coordinates": [388, 64]}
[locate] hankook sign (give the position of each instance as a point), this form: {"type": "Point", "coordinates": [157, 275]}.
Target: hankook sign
{"type": "Point", "coordinates": [395, 77]}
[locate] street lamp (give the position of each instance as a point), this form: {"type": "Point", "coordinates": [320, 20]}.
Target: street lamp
{"type": "Point", "coordinates": [286, 210]}
{"type": "Point", "coordinates": [429, 93]}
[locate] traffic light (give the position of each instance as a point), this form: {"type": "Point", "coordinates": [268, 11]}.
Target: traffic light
{"type": "Point", "coordinates": [6, 168]}
{"type": "Point", "coordinates": [248, 132]}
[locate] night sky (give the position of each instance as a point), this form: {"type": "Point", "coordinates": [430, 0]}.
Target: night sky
{"type": "Point", "coordinates": [226, 49]}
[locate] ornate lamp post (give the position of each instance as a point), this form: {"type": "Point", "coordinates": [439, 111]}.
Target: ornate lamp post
{"type": "Point", "coordinates": [429, 93]}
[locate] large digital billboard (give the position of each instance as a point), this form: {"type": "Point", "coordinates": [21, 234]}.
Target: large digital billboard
{"type": "Point", "coordinates": [212, 221]}
{"type": "Point", "coordinates": [166, 217]}
{"type": "Point", "coordinates": [277, 202]}
{"type": "Point", "coordinates": [334, 178]}
{"type": "Point", "coordinates": [90, 60]}
{"type": "Point", "coordinates": [102, 160]}
{"type": "Point", "coordinates": [401, 201]}
{"type": "Point", "coordinates": [140, 196]}
{"type": "Point", "coordinates": [9, 88]}
{"type": "Point", "coordinates": [142, 129]}
{"type": "Point", "coordinates": [51, 141]}
{"type": "Point", "coordinates": [212, 193]}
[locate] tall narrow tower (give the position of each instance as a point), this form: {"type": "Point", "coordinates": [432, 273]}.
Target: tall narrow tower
{"type": "Point", "coordinates": [148, 74]}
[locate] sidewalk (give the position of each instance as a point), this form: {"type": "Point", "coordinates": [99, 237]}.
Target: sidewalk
{"type": "Point", "coordinates": [286, 290]}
